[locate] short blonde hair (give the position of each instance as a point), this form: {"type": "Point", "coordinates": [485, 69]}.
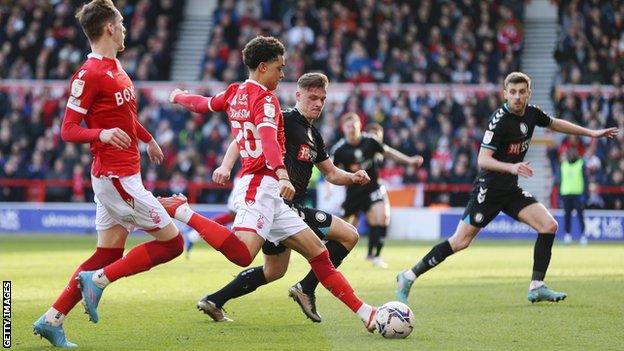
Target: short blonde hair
{"type": "Point", "coordinates": [517, 77]}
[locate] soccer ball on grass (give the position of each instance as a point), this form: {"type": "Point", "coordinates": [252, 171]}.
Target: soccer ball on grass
{"type": "Point", "coordinates": [395, 320]}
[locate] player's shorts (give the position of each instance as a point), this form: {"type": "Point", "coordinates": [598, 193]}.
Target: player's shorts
{"type": "Point", "coordinates": [125, 201]}
{"type": "Point", "coordinates": [260, 209]}
{"type": "Point", "coordinates": [485, 204]}
{"type": "Point", "coordinates": [361, 201]}
{"type": "Point", "coordinates": [230, 201]}
{"type": "Point", "coordinates": [319, 221]}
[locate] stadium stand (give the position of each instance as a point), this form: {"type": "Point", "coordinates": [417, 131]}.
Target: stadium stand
{"type": "Point", "coordinates": [446, 41]}
{"type": "Point", "coordinates": [591, 44]}
{"type": "Point", "coordinates": [42, 39]}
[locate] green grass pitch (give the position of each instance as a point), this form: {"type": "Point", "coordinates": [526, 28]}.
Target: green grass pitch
{"type": "Point", "coordinates": [476, 300]}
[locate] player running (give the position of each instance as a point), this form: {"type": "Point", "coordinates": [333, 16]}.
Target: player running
{"type": "Point", "coordinates": [505, 143]}
{"type": "Point", "coordinates": [261, 214]}
{"type": "Point", "coordinates": [304, 149]}
{"type": "Point", "coordinates": [103, 96]}
{"type": "Point", "coordinates": [363, 151]}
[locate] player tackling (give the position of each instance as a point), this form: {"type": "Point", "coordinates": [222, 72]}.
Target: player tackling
{"type": "Point", "coordinates": [261, 215]}
{"type": "Point", "coordinates": [505, 143]}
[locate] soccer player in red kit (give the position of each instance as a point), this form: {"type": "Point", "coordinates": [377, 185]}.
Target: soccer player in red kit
{"type": "Point", "coordinates": [102, 94]}
{"type": "Point", "coordinates": [257, 126]}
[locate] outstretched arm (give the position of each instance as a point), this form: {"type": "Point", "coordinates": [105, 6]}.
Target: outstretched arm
{"type": "Point", "coordinates": [337, 176]}
{"type": "Point", "coordinates": [403, 158]}
{"type": "Point", "coordinates": [563, 126]}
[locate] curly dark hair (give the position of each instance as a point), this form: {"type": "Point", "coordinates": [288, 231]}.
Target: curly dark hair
{"type": "Point", "coordinates": [262, 49]}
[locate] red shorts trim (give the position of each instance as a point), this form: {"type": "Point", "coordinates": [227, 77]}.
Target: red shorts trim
{"type": "Point", "coordinates": [122, 192]}
{"type": "Point", "coordinates": [252, 190]}
{"type": "Point", "coordinates": [234, 229]}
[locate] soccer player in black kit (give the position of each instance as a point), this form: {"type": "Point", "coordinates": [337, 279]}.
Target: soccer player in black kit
{"type": "Point", "coordinates": [358, 151]}
{"type": "Point", "coordinates": [304, 149]}
{"type": "Point", "coordinates": [505, 143]}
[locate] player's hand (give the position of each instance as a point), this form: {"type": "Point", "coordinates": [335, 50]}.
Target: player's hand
{"type": "Point", "coordinates": [416, 161]}
{"type": "Point", "coordinates": [155, 152]}
{"type": "Point", "coordinates": [287, 190]}
{"type": "Point", "coordinates": [175, 93]}
{"type": "Point", "coordinates": [522, 169]}
{"type": "Point", "coordinates": [607, 133]}
{"type": "Point", "coordinates": [221, 175]}
{"type": "Point", "coordinates": [360, 177]}
{"type": "Point", "coordinates": [115, 137]}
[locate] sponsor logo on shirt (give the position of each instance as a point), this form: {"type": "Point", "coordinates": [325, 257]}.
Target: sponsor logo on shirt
{"type": "Point", "coordinates": [125, 95]}
{"type": "Point", "coordinates": [239, 114]}
{"type": "Point", "coordinates": [518, 148]}
{"type": "Point", "coordinates": [304, 153]}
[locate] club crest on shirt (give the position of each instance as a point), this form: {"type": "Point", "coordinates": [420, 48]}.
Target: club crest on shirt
{"type": "Point", "coordinates": [524, 129]}
{"type": "Point", "coordinates": [77, 87]}
{"type": "Point", "coordinates": [487, 137]}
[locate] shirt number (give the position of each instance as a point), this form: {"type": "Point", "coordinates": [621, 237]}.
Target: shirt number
{"type": "Point", "coordinates": [253, 150]}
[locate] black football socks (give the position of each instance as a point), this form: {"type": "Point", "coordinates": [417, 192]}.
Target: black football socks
{"type": "Point", "coordinates": [437, 254]}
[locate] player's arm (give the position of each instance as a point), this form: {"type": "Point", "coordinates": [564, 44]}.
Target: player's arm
{"type": "Point", "coordinates": [221, 174]}
{"type": "Point", "coordinates": [337, 176]}
{"type": "Point", "coordinates": [201, 104]}
{"type": "Point", "coordinates": [154, 152]}
{"type": "Point", "coordinates": [563, 126]}
{"type": "Point", "coordinates": [398, 156]}
{"type": "Point", "coordinates": [487, 161]}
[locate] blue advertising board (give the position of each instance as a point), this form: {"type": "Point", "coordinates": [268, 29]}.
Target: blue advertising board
{"type": "Point", "coordinates": [599, 225]}
{"type": "Point", "coordinates": [57, 218]}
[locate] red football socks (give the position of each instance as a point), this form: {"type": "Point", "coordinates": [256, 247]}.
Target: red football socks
{"type": "Point", "coordinates": [71, 294]}
{"type": "Point", "coordinates": [222, 239]}
{"type": "Point", "coordinates": [145, 256]}
{"type": "Point", "coordinates": [334, 281]}
{"type": "Point", "coordinates": [225, 218]}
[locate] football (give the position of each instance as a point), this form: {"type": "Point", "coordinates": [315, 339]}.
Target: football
{"type": "Point", "coordinates": [395, 320]}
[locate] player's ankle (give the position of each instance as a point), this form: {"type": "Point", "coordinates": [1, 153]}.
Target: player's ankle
{"type": "Point", "coordinates": [184, 213]}
{"type": "Point", "coordinates": [364, 312]}
{"type": "Point", "coordinates": [54, 317]}
{"type": "Point", "coordinates": [409, 275]}
{"type": "Point", "coordinates": [100, 279]}
{"type": "Point", "coordinates": [536, 284]}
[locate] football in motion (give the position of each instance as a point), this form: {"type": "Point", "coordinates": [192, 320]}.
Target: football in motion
{"type": "Point", "coordinates": [395, 320]}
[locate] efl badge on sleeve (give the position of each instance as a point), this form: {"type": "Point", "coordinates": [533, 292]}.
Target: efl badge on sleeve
{"type": "Point", "coordinates": [269, 110]}
{"type": "Point", "coordinates": [487, 138]}
{"type": "Point", "coordinates": [77, 87]}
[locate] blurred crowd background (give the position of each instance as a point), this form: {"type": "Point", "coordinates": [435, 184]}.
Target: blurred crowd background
{"type": "Point", "coordinates": [428, 41]}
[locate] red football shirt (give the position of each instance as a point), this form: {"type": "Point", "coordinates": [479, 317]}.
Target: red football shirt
{"type": "Point", "coordinates": [102, 91]}
{"type": "Point", "coordinates": [249, 107]}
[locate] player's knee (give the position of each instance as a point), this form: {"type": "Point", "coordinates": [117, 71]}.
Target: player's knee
{"type": "Point", "coordinates": [274, 273]}
{"type": "Point", "coordinates": [550, 227]}
{"type": "Point", "coordinates": [351, 237]}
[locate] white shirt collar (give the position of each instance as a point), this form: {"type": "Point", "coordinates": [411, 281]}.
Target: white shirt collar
{"type": "Point", "coordinates": [256, 83]}
{"type": "Point", "coordinates": [94, 55]}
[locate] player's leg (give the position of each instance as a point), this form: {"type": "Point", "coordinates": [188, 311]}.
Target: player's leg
{"type": "Point", "coordinates": [310, 246]}
{"type": "Point", "coordinates": [378, 217]}
{"type": "Point", "coordinates": [538, 217]}
{"type": "Point", "coordinates": [110, 247]}
{"type": "Point", "coordinates": [579, 206]}
{"type": "Point", "coordinates": [275, 265]}
{"type": "Point", "coordinates": [568, 207]}
{"type": "Point", "coordinates": [231, 245]}
{"type": "Point", "coordinates": [130, 204]}
{"type": "Point", "coordinates": [480, 210]}
{"type": "Point", "coordinates": [341, 238]}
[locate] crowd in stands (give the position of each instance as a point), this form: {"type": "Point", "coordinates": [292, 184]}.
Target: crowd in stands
{"type": "Point", "coordinates": [444, 131]}
{"type": "Point", "coordinates": [427, 41]}
{"type": "Point", "coordinates": [591, 45]}
{"type": "Point", "coordinates": [43, 40]}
